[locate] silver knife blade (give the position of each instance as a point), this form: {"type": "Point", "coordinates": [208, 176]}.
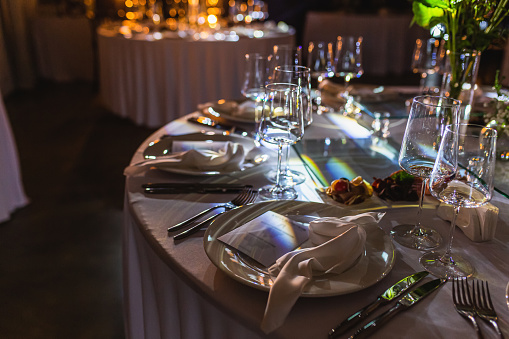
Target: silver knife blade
{"type": "Point", "coordinates": [408, 300]}
{"type": "Point", "coordinates": [390, 294]}
{"type": "Point", "coordinates": [178, 188]}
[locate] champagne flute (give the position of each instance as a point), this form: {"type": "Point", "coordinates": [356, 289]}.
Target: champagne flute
{"type": "Point", "coordinates": [462, 176]}
{"type": "Point", "coordinates": [282, 124]}
{"type": "Point", "coordinates": [425, 126]}
{"type": "Point", "coordinates": [320, 62]}
{"type": "Point", "coordinates": [301, 76]}
{"type": "Point", "coordinates": [348, 64]}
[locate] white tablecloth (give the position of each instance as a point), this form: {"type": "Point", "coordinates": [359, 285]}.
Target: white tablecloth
{"type": "Point", "coordinates": [388, 40]}
{"type": "Point", "coordinates": [153, 82]}
{"type": "Point", "coordinates": [12, 195]}
{"type": "Point", "coordinates": [174, 291]}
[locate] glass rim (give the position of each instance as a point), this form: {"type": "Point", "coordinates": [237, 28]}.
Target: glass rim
{"type": "Point", "coordinates": [451, 102]}
{"type": "Point", "coordinates": [493, 132]}
{"type": "Point", "coordinates": [300, 68]}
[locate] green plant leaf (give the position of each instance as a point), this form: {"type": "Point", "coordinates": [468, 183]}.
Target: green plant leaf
{"type": "Point", "coordinates": [434, 3]}
{"type": "Point", "coordinates": [424, 15]}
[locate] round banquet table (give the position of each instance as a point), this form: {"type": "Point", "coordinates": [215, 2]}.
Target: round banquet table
{"type": "Point", "coordinates": [12, 194]}
{"type": "Point", "coordinates": [155, 80]}
{"type": "Point", "coordinates": [173, 290]}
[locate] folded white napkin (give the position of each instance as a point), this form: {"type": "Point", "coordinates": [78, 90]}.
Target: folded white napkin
{"type": "Point", "coordinates": [344, 244]}
{"type": "Point", "coordinates": [479, 224]}
{"type": "Point", "coordinates": [230, 158]}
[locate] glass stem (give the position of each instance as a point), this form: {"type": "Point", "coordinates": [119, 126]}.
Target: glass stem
{"type": "Point", "coordinates": [417, 229]}
{"type": "Point", "coordinates": [447, 255]}
{"type": "Point", "coordinates": [278, 169]}
{"type": "Point", "coordinates": [287, 157]}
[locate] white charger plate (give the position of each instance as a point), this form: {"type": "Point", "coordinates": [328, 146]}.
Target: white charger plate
{"type": "Point", "coordinates": [373, 266]}
{"type": "Point", "coordinates": [162, 147]}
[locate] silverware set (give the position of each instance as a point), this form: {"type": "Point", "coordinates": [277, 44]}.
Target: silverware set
{"type": "Point", "coordinates": [474, 302]}
{"type": "Point", "coordinates": [246, 196]}
{"type": "Point", "coordinates": [392, 293]}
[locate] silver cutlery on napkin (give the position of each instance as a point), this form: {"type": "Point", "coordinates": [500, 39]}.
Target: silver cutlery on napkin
{"type": "Point", "coordinates": [408, 300]}
{"type": "Point", "coordinates": [390, 294]}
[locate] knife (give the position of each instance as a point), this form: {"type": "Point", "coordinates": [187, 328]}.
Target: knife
{"type": "Point", "coordinates": [177, 188]}
{"type": "Point", "coordinates": [205, 121]}
{"type": "Point", "coordinates": [409, 299]}
{"type": "Point", "coordinates": [390, 294]}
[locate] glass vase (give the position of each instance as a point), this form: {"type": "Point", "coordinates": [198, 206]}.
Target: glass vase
{"type": "Point", "coordinates": [460, 79]}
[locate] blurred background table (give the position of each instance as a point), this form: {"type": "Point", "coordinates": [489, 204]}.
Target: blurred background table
{"type": "Point", "coordinates": [156, 77]}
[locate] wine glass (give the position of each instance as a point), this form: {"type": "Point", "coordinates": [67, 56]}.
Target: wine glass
{"type": "Point", "coordinates": [301, 76]}
{"type": "Point", "coordinates": [462, 176]}
{"type": "Point", "coordinates": [256, 77]}
{"type": "Point", "coordinates": [283, 55]}
{"type": "Point", "coordinates": [428, 60]}
{"type": "Point", "coordinates": [282, 124]}
{"type": "Point", "coordinates": [320, 62]}
{"type": "Point", "coordinates": [348, 64]}
{"type": "Point", "coordinates": [426, 123]}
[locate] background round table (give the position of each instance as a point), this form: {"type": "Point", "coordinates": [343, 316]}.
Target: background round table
{"type": "Point", "coordinates": [153, 80]}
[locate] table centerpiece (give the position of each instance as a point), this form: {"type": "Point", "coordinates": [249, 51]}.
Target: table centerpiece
{"type": "Point", "coordinates": [468, 27]}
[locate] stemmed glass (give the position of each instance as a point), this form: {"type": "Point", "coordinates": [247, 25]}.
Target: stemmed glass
{"type": "Point", "coordinates": [348, 64]}
{"type": "Point", "coordinates": [462, 177]}
{"type": "Point", "coordinates": [255, 78]}
{"type": "Point", "coordinates": [425, 126]}
{"type": "Point", "coordinates": [301, 76]}
{"type": "Point", "coordinates": [428, 60]}
{"type": "Point", "coordinates": [320, 62]}
{"type": "Point", "coordinates": [282, 124]}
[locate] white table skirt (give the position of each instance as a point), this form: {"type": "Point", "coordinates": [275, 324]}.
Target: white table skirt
{"type": "Point", "coordinates": [12, 194]}
{"type": "Point", "coordinates": [155, 82]}
{"type": "Point", "coordinates": [174, 291]}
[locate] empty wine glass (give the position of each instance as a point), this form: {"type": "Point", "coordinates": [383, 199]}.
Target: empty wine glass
{"type": "Point", "coordinates": [462, 176]}
{"type": "Point", "coordinates": [426, 123]}
{"type": "Point", "coordinates": [428, 60]}
{"type": "Point", "coordinates": [348, 64]}
{"type": "Point", "coordinates": [284, 55]}
{"type": "Point", "coordinates": [282, 124]}
{"type": "Point", "coordinates": [320, 62]}
{"type": "Point", "coordinates": [301, 76]}
{"type": "Point", "coordinates": [255, 76]}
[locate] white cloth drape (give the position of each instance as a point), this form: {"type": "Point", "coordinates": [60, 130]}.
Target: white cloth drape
{"type": "Point", "coordinates": [12, 195]}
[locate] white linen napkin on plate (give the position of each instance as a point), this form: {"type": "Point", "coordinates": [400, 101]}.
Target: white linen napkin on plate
{"type": "Point", "coordinates": [344, 243]}
{"type": "Point", "coordinates": [229, 158]}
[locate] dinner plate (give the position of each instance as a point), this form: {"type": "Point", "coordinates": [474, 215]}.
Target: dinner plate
{"type": "Point", "coordinates": [374, 265]}
{"type": "Point", "coordinates": [162, 147]}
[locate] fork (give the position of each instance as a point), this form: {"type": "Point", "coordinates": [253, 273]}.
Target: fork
{"type": "Point", "coordinates": [245, 199]}
{"type": "Point", "coordinates": [463, 303]}
{"type": "Point", "coordinates": [484, 306]}
{"type": "Point", "coordinates": [238, 200]}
